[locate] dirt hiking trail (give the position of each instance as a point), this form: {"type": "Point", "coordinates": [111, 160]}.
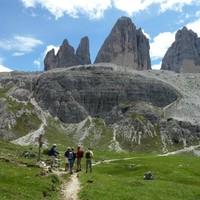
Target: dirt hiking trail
{"type": "Point", "coordinates": [72, 187]}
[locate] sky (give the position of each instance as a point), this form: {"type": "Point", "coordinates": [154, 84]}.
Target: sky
{"type": "Point", "coordinates": [29, 28]}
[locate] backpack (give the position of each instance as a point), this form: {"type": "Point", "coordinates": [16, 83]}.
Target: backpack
{"type": "Point", "coordinates": [88, 155]}
{"type": "Point", "coordinates": [79, 154]}
{"type": "Point", "coordinates": [70, 155]}
{"type": "Point", "coordinates": [66, 153]}
{"type": "Point", "coordinates": [50, 152]}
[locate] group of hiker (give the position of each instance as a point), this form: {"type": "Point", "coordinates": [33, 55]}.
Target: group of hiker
{"type": "Point", "coordinates": [71, 156]}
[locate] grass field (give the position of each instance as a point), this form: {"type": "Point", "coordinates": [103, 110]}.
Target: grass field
{"type": "Point", "coordinates": [20, 179]}
{"type": "Point", "coordinates": [176, 178]}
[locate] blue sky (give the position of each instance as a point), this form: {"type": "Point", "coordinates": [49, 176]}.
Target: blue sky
{"type": "Point", "coordinates": [30, 27]}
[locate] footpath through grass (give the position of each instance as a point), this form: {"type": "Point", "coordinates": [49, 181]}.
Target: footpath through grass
{"type": "Point", "coordinates": [176, 178]}
{"type": "Point", "coordinates": [20, 179]}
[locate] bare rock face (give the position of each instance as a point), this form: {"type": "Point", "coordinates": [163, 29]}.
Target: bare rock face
{"type": "Point", "coordinates": [67, 57]}
{"type": "Point", "coordinates": [125, 46]}
{"type": "Point", "coordinates": [50, 60]}
{"type": "Point", "coordinates": [74, 94]}
{"type": "Point", "coordinates": [184, 53]}
{"type": "Point", "coordinates": [83, 51]}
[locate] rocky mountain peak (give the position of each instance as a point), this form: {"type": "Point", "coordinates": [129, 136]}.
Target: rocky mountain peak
{"type": "Point", "coordinates": [83, 51]}
{"type": "Point", "coordinates": [184, 53]}
{"type": "Point", "coordinates": [125, 46]}
{"type": "Point", "coordinates": [65, 42]}
{"type": "Point", "coordinates": [185, 33]}
{"type": "Point", "coordinates": [50, 60]}
{"type": "Point", "coordinates": [67, 56]}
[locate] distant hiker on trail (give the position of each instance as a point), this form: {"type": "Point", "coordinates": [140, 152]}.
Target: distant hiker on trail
{"type": "Point", "coordinates": [74, 157]}
{"type": "Point", "coordinates": [70, 161]}
{"type": "Point", "coordinates": [79, 156]}
{"type": "Point", "coordinates": [66, 156]}
{"type": "Point", "coordinates": [53, 153]}
{"type": "Point", "coordinates": [89, 155]}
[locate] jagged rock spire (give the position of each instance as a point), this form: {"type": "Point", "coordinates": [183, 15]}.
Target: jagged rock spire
{"type": "Point", "coordinates": [184, 53]}
{"type": "Point", "coordinates": [66, 55]}
{"type": "Point", "coordinates": [125, 46]}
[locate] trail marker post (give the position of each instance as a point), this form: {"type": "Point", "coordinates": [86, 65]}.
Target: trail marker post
{"type": "Point", "coordinates": [40, 143]}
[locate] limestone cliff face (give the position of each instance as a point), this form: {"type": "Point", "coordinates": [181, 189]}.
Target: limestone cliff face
{"type": "Point", "coordinates": [125, 46]}
{"type": "Point", "coordinates": [67, 56]}
{"type": "Point", "coordinates": [72, 95]}
{"type": "Point", "coordinates": [83, 51]}
{"type": "Point", "coordinates": [133, 110]}
{"type": "Point", "coordinates": [184, 53]}
{"type": "Point", "coordinates": [50, 60]}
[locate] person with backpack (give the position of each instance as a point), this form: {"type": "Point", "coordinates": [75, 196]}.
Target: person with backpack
{"type": "Point", "coordinates": [88, 156]}
{"type": "Point", "coordinates": [70, 161]}
{"type": "Point", "coordinates": [74, 157]}
{"type": "Point", "coordinates": [79, 156]}
{"type": "Point", "coordinates": [66, 156]}
{"type": "Point", "coordinates": [53, 153]}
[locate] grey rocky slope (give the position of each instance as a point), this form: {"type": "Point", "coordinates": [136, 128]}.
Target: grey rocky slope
{"type": "Point", "coordinates": [67, 56]}
{"type": "Point", "coordinates": [106, 106]}
{"type": "Point", "coordinates": [184, 53]}
{"type": "Point", "coordinates": [74, 94]}
{"type": "Point", "coordinates": [125, 46]}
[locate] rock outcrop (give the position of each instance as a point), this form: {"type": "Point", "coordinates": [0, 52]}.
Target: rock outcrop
{"type": "Point", "coordinates": [83, 51]}
{"type": "Point", "coordinates": [67, 57]}
{"type": "Point", "coordinates": [103, 106]}
{"type": "Point", "coordinates": [184, 53]}
{"type": "Point", "coordinates": [50, 60]}
{"type": "Point", "coordinates": [72, 95]}
{"type": "Point", "coordinates": [125, 46]}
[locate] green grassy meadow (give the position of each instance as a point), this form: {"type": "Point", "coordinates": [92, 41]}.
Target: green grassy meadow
{"type": "Point", "coordinates": [20, 178]}
{"type": "Point", "coordinates": [176, 178]}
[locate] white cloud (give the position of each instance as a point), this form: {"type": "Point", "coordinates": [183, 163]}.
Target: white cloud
{"type": "Point", "coordinates": [156, 66]}
{"type": "Point", "coordinates": [92, 8]}
{"type": "Point", "coordinates": [195, 26]}
{"type": "Point", "coordinates": [20, 44]}
{"type": "Point", "coordinates": [96, 8]}
{"type": "Point", "coordinates": [18, 54]}
{"type": "Point", "coordinates": [5, 69]}
{"type": "Point", "coordinates": [37, 63]}
{"type": "Point", "coordinates": [176, 5]}
{"type": "Point", "coordinates": [160, 44]}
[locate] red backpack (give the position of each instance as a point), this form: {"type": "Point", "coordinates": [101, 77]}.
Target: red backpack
{"type": "Point", "coordinates": [80, 154]}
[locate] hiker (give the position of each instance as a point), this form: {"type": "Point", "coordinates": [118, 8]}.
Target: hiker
{"type": "Point", "coordinates": [53, 153]}
{"type": "Point", "coordinates": [70, 161]}
{"type": "Point", "coordinates": [79, 156]}
{"type": "Point", "coordinates": [74, 157]}
{"type": "Point", "coordinates": [89, 155]}
{"type": "Point", "coordinates": [66, 156]}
